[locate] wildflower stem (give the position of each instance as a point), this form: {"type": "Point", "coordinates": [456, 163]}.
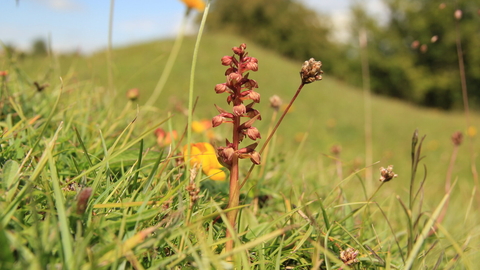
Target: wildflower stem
{"type": "Point", "coordinates": [463, 80]}
{"type": "Point", "coordinates": [270, 136]}
{"type": "Point", "coordinates": [234, 191]}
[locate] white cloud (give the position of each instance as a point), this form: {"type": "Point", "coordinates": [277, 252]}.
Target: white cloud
{"type": "Point", "coordinates": [139, 25]}
{"type": "Point", "coordinates": [62, 5]}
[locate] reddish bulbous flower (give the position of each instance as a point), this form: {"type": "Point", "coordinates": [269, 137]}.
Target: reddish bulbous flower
{"type": "Point", "coordinates": [239, 50]}
{"type": "Point", "coordinates": [251, 64]}
{"type": "Point", "coordinates": [253, 133]}
{"type": "Point", "coordinates": [254, 96]}
{"type": "Point", "coordinates": [221, 88]}
{"type": "Point", "coordinates": [239, 109]}
{"type": "Point", "coordinates": [217, 121]}
{"type": "Point", "coordinates": [233, 79]}
{"type": "Point", "coordinates": [227, 60]}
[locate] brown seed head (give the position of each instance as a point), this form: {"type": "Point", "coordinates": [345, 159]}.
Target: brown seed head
{"type": "Point", "coordinates": [311, 71]}
{"type": "Point", "coordinates": [82, 200]}
{"type": "Point", "coordinates": [458, 14]}
{"type": "Point", "coordinates": [415, 44]}
{"type": "Point", "coordinates": [133, 94]}
{"type": "Point", "coordinates": [349, 256]}
{"type": "Point", "coordinates": [457, 138]}
{"type": "Point", "coordinates": [275, 102]}
{"type": "Point", "coordinates": [387, 174]}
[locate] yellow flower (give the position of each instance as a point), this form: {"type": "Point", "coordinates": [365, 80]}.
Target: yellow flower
{"type": "Point", "coordinates": [203, 154]}
{"type": "Point", "coordinates": [196, 4]}
{"type": "Point", "coordinates": [471, 131]}
{"type": "Point", "coordinates": [201, 126]}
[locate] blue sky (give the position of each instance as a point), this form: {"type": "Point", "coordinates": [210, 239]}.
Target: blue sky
{"type": "Point", "coordinates": [83, 24]}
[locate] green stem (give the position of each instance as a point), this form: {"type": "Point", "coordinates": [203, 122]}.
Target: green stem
{"type": "Point", "coordinates": [170, 62]}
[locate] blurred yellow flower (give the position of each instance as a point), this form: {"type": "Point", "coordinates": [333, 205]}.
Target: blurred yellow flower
{"type": "Point", "coordinates": [471, 131]}
{"type": "Point", "coordinates": [203, 154]}
{"type": "Point", "coordinates": [201, 126]}
{"type": "Point", "coordinates": [196, 4]}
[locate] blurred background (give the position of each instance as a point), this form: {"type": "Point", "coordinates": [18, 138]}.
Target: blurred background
{"type": "Point", "coordinates": [411, 44]}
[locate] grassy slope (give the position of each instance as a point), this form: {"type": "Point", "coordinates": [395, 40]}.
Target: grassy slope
{"type": "Point", "coordinates": [329, 111]}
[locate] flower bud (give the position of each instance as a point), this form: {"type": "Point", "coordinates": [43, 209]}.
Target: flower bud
{"type": "Point", "coordinates": [227, 60]}
{"type": "Point", "coordinates": [254, 96]}
{"type": "Point", "coordinates": [239, 50]}
{"type": "Point", "coordinates": [234, 78]}
{"type": "Point", "coordinates": [253, 133]}
{"type": "Point", "coordinates": [255, 158]}
{"type": "Point", "coordinates": [220, 88]}
{"type": "Point", "coordinates": [217, 121]}
{"type": "Point", "coordinates": [239, 109]}
{"type": "Point", "coordinates": [251, 66]}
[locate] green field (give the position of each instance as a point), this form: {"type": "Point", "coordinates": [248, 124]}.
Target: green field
{"type": "Point", "coordinates": [41, 159]}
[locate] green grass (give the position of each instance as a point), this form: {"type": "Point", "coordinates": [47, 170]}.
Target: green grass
{"type": "Point", "coordinates": [85, 137]}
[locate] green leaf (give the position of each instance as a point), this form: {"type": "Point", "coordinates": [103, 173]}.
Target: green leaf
{"type": "Point", "coordinates": [10, 177]}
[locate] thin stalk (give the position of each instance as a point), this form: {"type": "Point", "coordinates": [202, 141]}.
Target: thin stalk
{"type": "Point", "coordinates": [463, 80]}
{"type": "Point", "coordinates": [274, 117]}
{"type": "Point", "coordinates": [109, 48]}
{"type": "Point", "coordinates": [270, 136]}
{"type": "Point", "coordinates": [170, 62]}
{"type": "Point", "coordinates": [190, 98]}
{"type": "Point", "coordinates": [367, 98]}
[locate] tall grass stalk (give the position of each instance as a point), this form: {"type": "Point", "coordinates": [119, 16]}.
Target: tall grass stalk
{"type": "Point", "coordinates": [111, 86]}
{"type": "Point", "coordinates": [172, 57]}
{"type": "Point", "coordinates": [463, 80]}
{"type": "Point", "coordinates": [191, 106]}
{"type": "Point", "coordinates": [367, 99]}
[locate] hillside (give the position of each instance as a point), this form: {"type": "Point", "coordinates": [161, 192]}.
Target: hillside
{"type": "Point", "coordinates": [329, 112]}
{"type": "Point", "coordinates": [300, 169]}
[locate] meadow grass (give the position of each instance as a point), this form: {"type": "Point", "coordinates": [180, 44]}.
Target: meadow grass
{"type": "Point", "coordinates": [300, 210]}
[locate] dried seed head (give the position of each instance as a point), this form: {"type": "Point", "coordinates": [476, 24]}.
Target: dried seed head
{"type": "Point", "coordinates": [133, 94]}
{"type": "Point", "coordinates": [457, 138]}
{"type": "Point", "coordinates": [415, 44]}
{"type": "Point", "coordinates": [82, 200]}
{"type": "Point", "coordinates": [387, 174]}
{"type": "Point", "coordinates": [336, 149]}
{"type": "Point", "coordinates": [275, 102]}
{"type": "Point", "coordinates": [349, 256]}
{"type": "Point", "coordinates": [458, 14]}
{"type": "Point", "coordinates": [311, 71]}
{"type": "Point", "coordinates": [424, 48]}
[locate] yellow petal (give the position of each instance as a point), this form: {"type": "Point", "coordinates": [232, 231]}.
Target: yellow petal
{"type": "Point", "coordinates": [217, 175]}
{"type": "Point", "coordinates": [196, 4]}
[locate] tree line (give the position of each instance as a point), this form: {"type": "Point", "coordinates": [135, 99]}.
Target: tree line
{"type": "Point", "coordinates": [414, 55]}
